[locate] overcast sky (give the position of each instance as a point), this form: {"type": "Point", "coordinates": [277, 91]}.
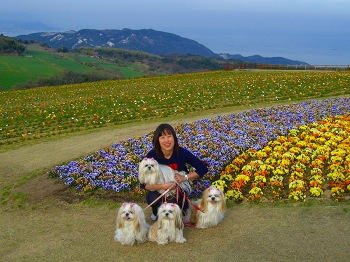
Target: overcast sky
{"type": "Point", "coordinates": [313, 31]}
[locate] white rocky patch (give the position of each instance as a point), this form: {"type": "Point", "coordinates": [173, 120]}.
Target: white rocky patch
{"type": "Point", "coordinates": [57, 38]}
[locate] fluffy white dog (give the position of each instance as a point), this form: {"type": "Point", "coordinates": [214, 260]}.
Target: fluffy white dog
{"type": "Point", "coordinates": [213, 205]}
{"type": "Point", "coordinates": [131, 225]}
{"type": "Point", "coordinates": [151, 172]}
{"type": "Point", "coordinates": [169, 226]}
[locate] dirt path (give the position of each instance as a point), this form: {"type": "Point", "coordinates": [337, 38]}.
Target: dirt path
{"type": "Point", "coordinates": [39, 157]}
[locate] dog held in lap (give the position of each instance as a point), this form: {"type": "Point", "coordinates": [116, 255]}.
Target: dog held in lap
{"type": "Point", "coordinates": [151, 172]}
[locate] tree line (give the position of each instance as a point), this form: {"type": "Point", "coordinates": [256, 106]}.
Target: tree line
{"type": "Point", "coordinates": [10, 46]}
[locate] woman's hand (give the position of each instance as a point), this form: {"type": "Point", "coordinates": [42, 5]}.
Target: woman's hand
{"type": "Point", "coordinates": [179, 178]}
{"type": "Point", "coordinates": [169, 185]}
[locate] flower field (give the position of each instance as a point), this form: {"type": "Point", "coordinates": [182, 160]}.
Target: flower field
{"type": "Point", "coordinates": [49, 111]}
{"type": "Point", "coordinates": [284, 152]}
{"type": "Point", "coordinates": [306, 162]}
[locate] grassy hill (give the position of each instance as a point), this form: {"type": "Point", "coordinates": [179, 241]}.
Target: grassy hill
{"type": "Point", "coordinates": [40, 65]}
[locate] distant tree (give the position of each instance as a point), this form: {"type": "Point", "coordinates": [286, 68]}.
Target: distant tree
{"type": "Point", "coordinates": [45, 45]}
{"type": "Point", "coordinates": [62, 49]}
{"type": "Point", "coordinates": [10, 45]}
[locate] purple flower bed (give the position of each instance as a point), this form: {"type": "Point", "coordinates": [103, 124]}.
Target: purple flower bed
{"type": "Point", "coordinates": [215, 141]}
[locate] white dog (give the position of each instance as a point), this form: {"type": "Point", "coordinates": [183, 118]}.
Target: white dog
{"type": "Point", "coordinates": [212, 207]}
{"type": "Point", "coordinates": [169, 226]}
{"type": "Point", "coordinates": [131, 226]}
{"type": "Point", "coordinates": [151, 172]}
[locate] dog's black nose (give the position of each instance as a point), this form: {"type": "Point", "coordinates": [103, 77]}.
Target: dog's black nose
{"type": "Point", "coordinates": [126, 214]}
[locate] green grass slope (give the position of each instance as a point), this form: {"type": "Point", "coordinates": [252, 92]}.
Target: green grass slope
{"type": "Point", "coordinates": [37, 64]}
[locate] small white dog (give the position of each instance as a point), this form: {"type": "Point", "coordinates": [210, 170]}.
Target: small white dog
{"type": "Point", "coordinates": [213, 205]}
{"type": "Point", "coordinates": [131, 225]}
{"type": "Point", "coordinates": [151, 172]}
{"type": "Point", "coordinates": [169, 226]}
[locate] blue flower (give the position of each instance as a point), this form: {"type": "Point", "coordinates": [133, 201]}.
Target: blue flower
{"type": "Point", "coordinates": [215, 141]}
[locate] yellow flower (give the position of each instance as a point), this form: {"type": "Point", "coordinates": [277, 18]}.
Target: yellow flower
{"type": "Point", "coordinates": [235, 195]}
{"type": "Point", "coordinates": [293, 132]}
{"type": "Point", "coordinates": [336, 177]}
{"type": "Point", "coordinates": [256, 191]}
{"type": "Point", "coordinates": [315, 171]}
{"type": "Point", "coordinates": [219, 184]}
{"type": "Point", "coordinates": [297, 196]}
{"type": "Point", "coordinates": [260, 179]}
{"type": "Point", "coordinates": [243, 178]}
{"type": "Point", "coordinates": [297, 184]}
{"type": "Point", "coordinates": [276, 178]}
{"type": "Point", "coordinates": [280, 171]}
{"type": "Point", "coordinates": [226, 177]}
{"type": "Point", "coordinates": [337, 193]}
{"type": "Point", "coordinates": [288, 155]}
{"type": "Point", "coordinates": [316, 191]}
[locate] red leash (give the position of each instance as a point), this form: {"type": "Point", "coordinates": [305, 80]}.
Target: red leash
{"type": "Point", "coordinates": [189, 201]}
{"type": "Point", "coordinates": [178, 191]}
{"type": "Point", "coordinates": [164, 193]}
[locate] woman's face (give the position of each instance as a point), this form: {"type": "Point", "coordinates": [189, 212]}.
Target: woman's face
{"type": "Point", "coordinates": [166, 141]}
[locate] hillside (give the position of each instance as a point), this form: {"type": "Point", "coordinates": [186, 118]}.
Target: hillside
{"type": "Point", "coordinates": [40, 65]}
{"type": "Point", "coordinates": [146, 40]}
{"type": "Point", "coordinates": [263, 60]}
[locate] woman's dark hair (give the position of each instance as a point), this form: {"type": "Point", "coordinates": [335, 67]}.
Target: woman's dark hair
{"type": "Point", "coordinates": [164, 129]}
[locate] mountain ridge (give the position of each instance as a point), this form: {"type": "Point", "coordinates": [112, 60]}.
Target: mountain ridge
{"type": "Point", "coordinates": [146, 40]}
{"type": "Point", "coordinates": [263, 60]}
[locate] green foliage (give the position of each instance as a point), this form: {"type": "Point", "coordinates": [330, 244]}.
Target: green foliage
{"type": "Point", "coordinates": [115, 53]}
{"type": "Point", "coordinates": [62, 49]}
{"type": "Point", "coordinates": [9, 45]}
{"type": "Point", "coordinates": [200, 63]}
{"type": "Point", "coordinates": [65, 78]}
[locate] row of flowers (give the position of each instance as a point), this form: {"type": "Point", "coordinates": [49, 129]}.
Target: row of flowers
{"type": "Point", "coordinates": [308, 161]}
{"type": "Point", "coordinates": [217, 142]}
{"type": "Point", "coordinates": [49, 111]}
